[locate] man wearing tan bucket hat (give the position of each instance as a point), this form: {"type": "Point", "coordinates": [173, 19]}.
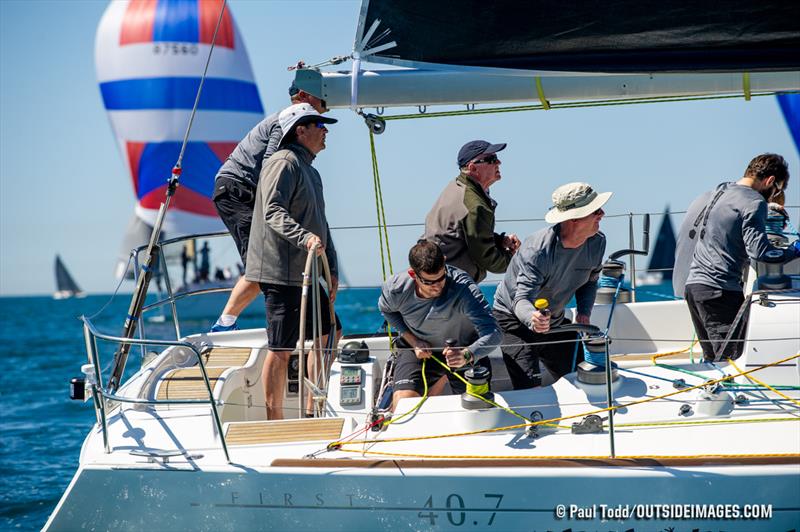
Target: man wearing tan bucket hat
{"type": "Point", "coordinates": [555, 263]}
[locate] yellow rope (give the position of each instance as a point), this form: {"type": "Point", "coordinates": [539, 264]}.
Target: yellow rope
{"type": "Point", "coordinates": [689, 349]}
{"type": "Point", "coordinates": [754, 379]}
{"type": "Point", "coordinates": [540, 92]}
{"type": "Point", "coordinates": [746, 86]}
{"type": "Point", "coordinates": [556, 420]}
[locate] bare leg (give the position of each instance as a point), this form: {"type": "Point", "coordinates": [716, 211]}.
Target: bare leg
{"type": "Point", "coordinates": [274, 377]}
{"type": "Point", "coordinates": [243, 293]}
{"type": "Point", "coordinates": [402, 394]}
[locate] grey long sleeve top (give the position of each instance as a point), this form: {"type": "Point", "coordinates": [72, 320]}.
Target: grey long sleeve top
{"type": "Point", "coordinates": [544, 268]}
{"type": "Point", "coordinates": [460, 312]}
{"type": "Point", "coordinates": [246, 161]}
{"type": "Point", "coordinates": [289, 208]}
{"type": "Point", "coordinates": [734, 231]}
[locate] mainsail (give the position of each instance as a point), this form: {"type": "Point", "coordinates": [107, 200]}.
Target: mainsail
{"type": "Point", "coordinates": [613, 36]}
{"type": "Point", "coordinates": [65, 284]}
{"type": "Point", "coordinates": [547, 52]}
{"type": "Point", "coordinates": [149, 56]}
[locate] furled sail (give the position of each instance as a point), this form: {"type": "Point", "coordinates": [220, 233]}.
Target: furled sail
{"type": "Point", "coordinates": [150, 55]}
{"type": "Point", "coordinates": [614, 36]}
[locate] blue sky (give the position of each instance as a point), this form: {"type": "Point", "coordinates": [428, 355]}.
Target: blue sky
{"type": "Point", "coordinates": [64, 188]}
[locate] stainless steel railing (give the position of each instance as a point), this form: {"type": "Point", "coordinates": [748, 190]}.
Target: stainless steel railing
{"type": "Point", "coordinates": [101, 396]}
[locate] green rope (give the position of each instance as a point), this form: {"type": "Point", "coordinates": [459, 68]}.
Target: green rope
{"type": "Point", "coordinates": [574, 105]}
{"type": "Point", "coordinates": [383, 231]}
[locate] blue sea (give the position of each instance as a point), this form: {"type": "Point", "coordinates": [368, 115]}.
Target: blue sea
{"type": "Point", "coordinates": [42, 348]}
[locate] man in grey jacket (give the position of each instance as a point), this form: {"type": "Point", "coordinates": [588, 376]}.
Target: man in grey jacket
{"type": "Point", "coordinates": [288, 222]}
{"type": "Point", "coordinates": [461, 221]}
{"type": "Point", "coordinates": [235, 192]}
{"type": "Point", "coordinates": [556, 263]}
{"type": "Point", "coordinates": [427, 305]}
{"type": "Point", "coordinates": [730, 231]}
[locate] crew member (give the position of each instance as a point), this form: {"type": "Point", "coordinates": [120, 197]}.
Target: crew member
{"type": "Point", "coordinates": [461, 221]}
{"type": "Point", "coordinates": [731, 231]}
{"type": "Point", "coordinates": [234, 196]}
{"type": "Point", "coordinates": [556, 263]}
{"type": "Point", "coordinates": [428, 304]}
{"type": "Point", "coordinates": [288, 222]}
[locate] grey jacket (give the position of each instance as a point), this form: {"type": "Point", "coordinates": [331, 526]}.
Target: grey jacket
{"type": "Point", "coordinates": [289, 208]}
{"type": "Point", "coordinates": [544, 268]}
{"type": "Point", "coordinates": [246, 161]}
{"type": "Point", "coordinates": [460, 312]}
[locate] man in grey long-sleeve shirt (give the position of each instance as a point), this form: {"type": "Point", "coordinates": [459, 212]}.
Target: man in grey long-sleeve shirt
{"type": "Point", "coordinates": [235, 192]}
{"type": "Point", "coordinates": [553, 264]}
{"type": "Point", "coordinates": [427, 305]}
{"type": "Point", "coordinates": [288, 223]}
{"type": "Point", "coordinates": [731, 231]}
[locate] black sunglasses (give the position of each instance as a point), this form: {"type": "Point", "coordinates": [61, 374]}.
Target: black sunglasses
{"type": "Point", "coordinates": [430, 282]}
{"type": "Point", "coordinates": [489, 159]}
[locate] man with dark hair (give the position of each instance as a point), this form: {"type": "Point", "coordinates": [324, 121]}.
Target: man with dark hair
{"type": "Point", "coordinates": [555, 263]}
{"type": "Point", "coordinates": [289, 222]}
{"type": "Point", "coordinates": [426, 305]}
{"type": "Point", "coordinates": [461, 221]}
{"type": "Point", "coordinates": [235, 192]}
{"type": "Point", "coordinates": [728, 231]}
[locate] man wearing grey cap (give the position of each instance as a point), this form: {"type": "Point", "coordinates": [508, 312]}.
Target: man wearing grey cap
{"type": "Point", "coordinates": [461, 221]}
{"type": "Point", "coordinates": [288, 222]}
{"type": "Point", "coordinates": [555, 263]}
{"type": "Point", "coordinates": [235, 191]}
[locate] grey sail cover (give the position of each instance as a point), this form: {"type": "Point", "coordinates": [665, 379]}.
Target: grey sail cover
{"type": "Point", "coordinates": [613, 36]}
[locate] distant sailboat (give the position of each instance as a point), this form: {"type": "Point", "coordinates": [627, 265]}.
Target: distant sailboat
{"type": "Point", "coordinates": [662, 259]}
{"type": "Point", "coordinates": [66, 286]}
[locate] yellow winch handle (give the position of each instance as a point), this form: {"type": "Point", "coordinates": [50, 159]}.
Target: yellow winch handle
{"type": "Point", "coordinates": [541, 303]}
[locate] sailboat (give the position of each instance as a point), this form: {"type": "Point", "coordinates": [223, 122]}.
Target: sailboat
{"type": "Point", "coordinates": [148, 59]}
{"type": "Point", "coordinates": [662, 440]}
{"type": "Point", "coordinates": [662, 258]}
{"type": "Point", "coordinates": [66, 286]}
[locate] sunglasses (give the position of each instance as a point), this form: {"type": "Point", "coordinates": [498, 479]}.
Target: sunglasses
{"type": "Point", "coordinates": [489, 159]}
{"type": "Point", "coordinates": [430, 282]}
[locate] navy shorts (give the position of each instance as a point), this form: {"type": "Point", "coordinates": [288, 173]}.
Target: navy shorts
{"type": "Point", "coordinates": [234, 202]}
{"type": "Point", "coordinates": [283, 315]}
{"type": "Point", "coordinates": [408, 372]}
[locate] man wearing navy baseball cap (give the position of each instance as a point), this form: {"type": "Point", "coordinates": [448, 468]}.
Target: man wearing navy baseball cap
{"type": "Point", "coordinates": [461, 221]}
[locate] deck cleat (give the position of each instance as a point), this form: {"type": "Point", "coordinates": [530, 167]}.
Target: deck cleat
{"type": "Point", "coordinates": [532, 431]}
{"type": "Point", "coordinates": [679, 384]}
{"type": "Point", "coordinates": [685, 410]}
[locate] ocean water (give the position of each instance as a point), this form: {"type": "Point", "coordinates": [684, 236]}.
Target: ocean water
{"type": "Point", "coordinates": [42, 348]}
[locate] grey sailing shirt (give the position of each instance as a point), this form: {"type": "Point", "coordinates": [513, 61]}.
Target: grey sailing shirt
{"type": "Point", "coordinates": [544, 268]}
{"type": "Point", "coordinates": [734, 231]}
{"type": "Point", "coordinates": [688, 236]}
{"type": "Point", "coordinates": [460, 312]}
{"type": "Point", "coordinates": [245, 162]}
{"type": "Point", "coordinates": [289, 208]}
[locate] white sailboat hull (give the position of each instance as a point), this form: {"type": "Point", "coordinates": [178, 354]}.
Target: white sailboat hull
{"type": "Point", "coordinates": [478, 498]}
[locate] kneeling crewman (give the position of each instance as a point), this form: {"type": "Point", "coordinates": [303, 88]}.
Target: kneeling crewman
{"type": "Point", "coordinates": [428, 305]}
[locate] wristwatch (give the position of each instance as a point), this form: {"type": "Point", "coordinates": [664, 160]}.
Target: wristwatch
{"type": "Point", "coordinates": [467, 356]}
